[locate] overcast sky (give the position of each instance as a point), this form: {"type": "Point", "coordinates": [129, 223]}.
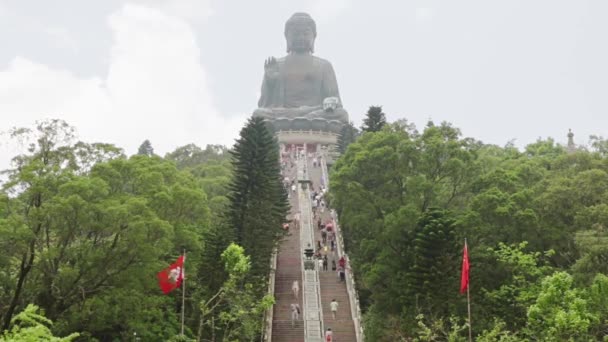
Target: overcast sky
{"type": "Point", "coordinates": [189, 71]}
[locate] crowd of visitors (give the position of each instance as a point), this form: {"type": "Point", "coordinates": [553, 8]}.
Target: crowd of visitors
{"type": "Point", "coordinates": [326, 251]}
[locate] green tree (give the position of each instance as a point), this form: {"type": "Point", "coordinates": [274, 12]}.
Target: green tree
{"type": "Point", "coordinates": [348, 135]}
{"type": "Point", "coordinates": [544, 148]}
{"type": "Point", "coordinates": [592, 242]}
{"type": "Point", "coordinates": [83, 241]}
{"type": "Point", "coordinates": [374, 120]}
{"type": "Point", "coordinates": [599, 145]}
{"type": "Point", "coordinates": [190, 156]}
{"type": "Point", "coordinates": [547, 206]}
{"type": "Point", "coordinates": [35, 176]}
{"type": "Point", "coordinates": [498, 333]}
{"type": "Point", "coordinates": [436, 254]}
{"type": "Point", "coordinates": [560, 312]}
{"type": "Point", "coordinates": [381, 187]}
{"type": "Point", "coordinates": [517, 276]}
{"type": "Point", "coordinates": [258, 202]}
{"type": "Point", "coordinates": [597, 298]}
{"type": "Point", "coordinates": [145, 149]}
{"type": "Point", "coordinates": [235, 304]}
{"type": "Point", "coordinates": [31, 326]}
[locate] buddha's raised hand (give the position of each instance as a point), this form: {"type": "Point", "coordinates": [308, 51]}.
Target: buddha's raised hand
{"type": "Point", "coordinates": [271, 68]}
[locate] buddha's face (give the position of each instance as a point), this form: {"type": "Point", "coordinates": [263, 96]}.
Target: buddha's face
{"type": "Point", "coordinates": [300, 38]}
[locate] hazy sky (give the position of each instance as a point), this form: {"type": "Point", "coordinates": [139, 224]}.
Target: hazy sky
{"type": "Point", "coordinates": [182, 71]}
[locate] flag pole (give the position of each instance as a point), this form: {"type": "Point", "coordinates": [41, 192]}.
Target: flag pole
{"type": "Point", "coordinates": [469, 307]}
{"type": "Point", "coordinates": [468, 300]}
{"type": "Point", "coordinates": [184, 291]}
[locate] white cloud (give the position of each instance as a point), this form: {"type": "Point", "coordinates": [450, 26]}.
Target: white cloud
{"type": "Point", "coordinates": [155, 89]}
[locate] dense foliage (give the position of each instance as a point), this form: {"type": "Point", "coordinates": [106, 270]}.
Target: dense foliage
{"type": "Point", "coordinates": [535, 221]}
{"type": "Point", "coordinates": [85, 229]}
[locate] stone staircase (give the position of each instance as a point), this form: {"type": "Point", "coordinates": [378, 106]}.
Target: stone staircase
{"type": "Point", "coordinates": [343, 326]}
{"type": "Point", "coordinates": [288, 270]}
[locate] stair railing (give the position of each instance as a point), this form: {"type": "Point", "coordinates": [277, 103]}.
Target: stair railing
{"type": "Point", "coordinates": [313, 320]}
{"type": "Point", "coordinates": [268, 315]}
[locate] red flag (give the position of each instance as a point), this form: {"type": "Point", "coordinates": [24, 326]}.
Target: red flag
{"type": "Point", "coordinates": [171, 277]}
{"type": "Point", "coordinates": [464, 276]}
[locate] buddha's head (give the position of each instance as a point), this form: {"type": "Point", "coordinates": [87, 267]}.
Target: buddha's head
{"type": "Point", "coordinates": [300, 33]}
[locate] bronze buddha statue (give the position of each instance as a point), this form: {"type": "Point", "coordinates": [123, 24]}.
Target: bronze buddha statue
{"type": "Point", "coordinates": [300, 87]}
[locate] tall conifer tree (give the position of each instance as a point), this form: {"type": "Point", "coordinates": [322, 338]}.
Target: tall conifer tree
{"type": "Point", "coordinates": [258, 201]}
{"type": "Point", "coordinates": [146, 149]}
{"type": "Point", "coordinates": [436, 255]}
{"type": "Point", "coordinates": [348, 135]}
{"type": "Point", "coordinates": [375, 119]}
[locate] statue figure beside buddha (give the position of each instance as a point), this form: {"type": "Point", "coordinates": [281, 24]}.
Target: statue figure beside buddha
{"type": "Point", "coordinates": [300, 90]}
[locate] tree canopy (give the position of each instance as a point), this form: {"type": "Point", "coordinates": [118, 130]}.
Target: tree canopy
{"type": "Point", "coordinates": [534, 221]}
{"type": "Point", "coordinates": [85, 229]}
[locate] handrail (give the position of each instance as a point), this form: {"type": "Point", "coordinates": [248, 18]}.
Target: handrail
{"type": "Point", "coordinates": [355, 308]}
{"type": "Point", "coordinates": [307, 236]}
{"type": "Point", "coordinates": [304, 217]}
{"type": "Point", "coordinates": [318, 282]}
{"type": "Point", "coordinates": [353, 297]}
{"type": "Point", "coordinates": [308, 131]}
{"type": "Point", "coordinates": [267, 329]}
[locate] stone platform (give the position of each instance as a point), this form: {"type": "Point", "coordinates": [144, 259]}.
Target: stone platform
{"type": "Point", "coordinates": [307, 137]}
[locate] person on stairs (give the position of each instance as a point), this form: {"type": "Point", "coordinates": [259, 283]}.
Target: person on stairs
{"type": "Point", "coordinates": [295, 313]}
{"type": "Point", "coordinates": [329, 335]}
{"type": "Point", "coordinates": [342, 262]}
{"type": "Point", "coordinates": [334, 308]}
{"type": "Point", "coordinates": [295, 288]}
{"type": "Point", "coordinates": [342, 273]}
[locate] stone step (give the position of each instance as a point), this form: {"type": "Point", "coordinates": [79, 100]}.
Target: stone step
{"type": "Point", "coordinates": [282, 331]}
{"type": "Point", "coordinates": [288, 270]}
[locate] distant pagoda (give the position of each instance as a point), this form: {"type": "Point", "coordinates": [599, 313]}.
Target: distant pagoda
{"type": "Point", "coordinates": [571, 145]}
